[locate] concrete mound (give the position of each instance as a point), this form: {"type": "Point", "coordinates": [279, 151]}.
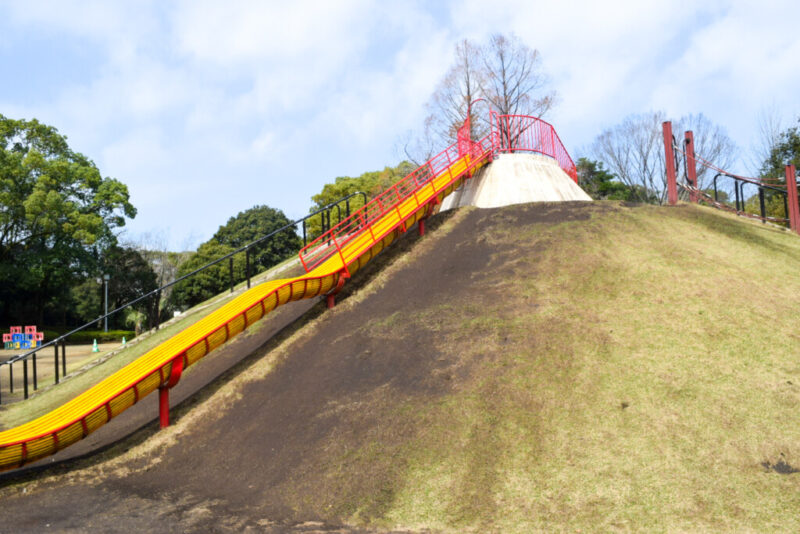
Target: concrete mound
{"type": "Point", "coordinates": [516, 179]}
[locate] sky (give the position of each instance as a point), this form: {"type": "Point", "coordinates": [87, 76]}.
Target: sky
{"type": "Point", "coordinates": [207, 108]}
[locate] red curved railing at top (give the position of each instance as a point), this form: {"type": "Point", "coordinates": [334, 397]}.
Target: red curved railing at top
{"type": "Point", "coordinates": [524, 133]}
{"type": "Point", "coordinates": [509, 133]}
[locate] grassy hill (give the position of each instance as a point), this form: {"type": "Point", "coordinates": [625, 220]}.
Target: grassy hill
{"type": "Point", "coordinates": [575, 366]}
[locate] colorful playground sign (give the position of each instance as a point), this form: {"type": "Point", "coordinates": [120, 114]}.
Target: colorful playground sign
{"type": "Point", "coordinates": [17, 340]}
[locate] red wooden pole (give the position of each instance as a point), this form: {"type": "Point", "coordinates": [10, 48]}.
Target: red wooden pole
{"type": "Point", "coordinates": [691, 165]}
{"type": "Point", "coordinates": [669, 156]}
{"type": "Point", "coordinates": [791, 198]}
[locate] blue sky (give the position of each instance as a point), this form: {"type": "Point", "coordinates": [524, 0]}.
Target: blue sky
{"type": "Point", "coordinates": [205, 109]}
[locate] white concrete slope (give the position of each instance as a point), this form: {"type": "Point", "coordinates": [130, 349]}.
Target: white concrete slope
{"type": "Point", "coordinates": [516, 179]}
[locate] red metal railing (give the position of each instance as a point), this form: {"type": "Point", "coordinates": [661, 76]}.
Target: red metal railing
{"type": "Point", "coordinates": [337, 238]}
{"type": "Point", "coordinates": [523, 133]}
{"type": "Point", "coordinates": [509, 133]}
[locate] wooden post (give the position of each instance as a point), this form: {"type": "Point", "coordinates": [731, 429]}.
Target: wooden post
{"type": "Point", "coordinates": [791, 194]}
{"type": "Point", "coordinates": [669, 160]}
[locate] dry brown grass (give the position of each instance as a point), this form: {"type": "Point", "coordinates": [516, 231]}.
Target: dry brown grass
{"type": "Point", "coordinates": [626, 369]}
{"type": "Point", "coordinates": [636, 371]}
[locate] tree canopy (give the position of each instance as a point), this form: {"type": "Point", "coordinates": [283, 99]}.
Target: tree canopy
{"type": "Point", "coordinates": [786, 151]}
{"type": "Point", "coordinates": [130, 277]}
{"type": "Point", "coordinates": [600, 184]}
{"type": "Point", "coordinates": [250, 225]}
{"type": "Point", "coordinates": [246, 227]}
{"type": "Point", "coordinates": [372, 183]}
{"type": "Point", "coordinates": [57, 217]}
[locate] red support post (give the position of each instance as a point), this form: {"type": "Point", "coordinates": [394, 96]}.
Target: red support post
{"type": "Point", "coordinates": [421, 227]}
{"type": "Point", "coordinates": [330, 298]}
{"type": "Point", "coordinates": [791, 198]}
{"type": "Point", "coordinates": [175, 373]}
{"type": "Point", "coordinates": [163, 407]}
{"type": "Point", "coordinates": [691, 166]}
{"type": "Point", "coordinates": [669, 157]}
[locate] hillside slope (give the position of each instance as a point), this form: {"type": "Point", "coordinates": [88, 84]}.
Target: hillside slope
{"type": "Point", "coordinates": [538, 367]}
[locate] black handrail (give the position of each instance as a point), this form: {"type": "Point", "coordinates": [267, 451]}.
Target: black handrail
{"type": "Point", "coordinates": [246, 249]}
{"type": "Point", "coordinates": [739, 198]}
{"type": "Point", "coordinates": [328, 207]}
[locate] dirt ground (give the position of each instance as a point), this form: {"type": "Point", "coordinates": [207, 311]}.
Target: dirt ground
{"type": "Point", "coordinates": [248, 461]}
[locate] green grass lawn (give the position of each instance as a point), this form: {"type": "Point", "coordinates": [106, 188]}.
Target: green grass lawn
{"type": "Point", "coordinates": [644, 368]}
{"type": "Point", "coordinates": [636, 371]}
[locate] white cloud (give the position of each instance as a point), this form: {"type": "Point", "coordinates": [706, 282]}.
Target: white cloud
{"type": "Point", "coordinates": [206, 108]}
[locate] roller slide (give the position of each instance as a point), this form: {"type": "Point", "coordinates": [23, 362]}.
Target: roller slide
{"type": "Point", "coordinates": [328, 262]}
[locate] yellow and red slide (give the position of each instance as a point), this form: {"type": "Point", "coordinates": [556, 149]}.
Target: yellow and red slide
{"type": "Point", "coordinates": [328, 261]}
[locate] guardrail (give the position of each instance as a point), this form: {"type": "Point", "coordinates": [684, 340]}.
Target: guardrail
{"type": "Point", "coordinates": [334, 240]}
{"type": "Point", "coordinates": [60, 367]}
{"type": "Point", "coordinates": [785, 187]}
{"type": "Point", "coordinates": [509, 133]}
{"type": "Point", "coordinates": [524, 133]}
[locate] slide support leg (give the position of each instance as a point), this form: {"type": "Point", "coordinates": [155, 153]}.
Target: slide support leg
{"type": "Point", "coordinates": [330, 298]}
{"type": "Point", "coordinates": [163, 390]}
{"type": "Point", "coordinates": [163, 407]}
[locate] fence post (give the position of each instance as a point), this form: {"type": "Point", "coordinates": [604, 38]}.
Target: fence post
{"type": "Point", "coordinates": [158, 309]}
{"type": "Point", "coordinates": [25, 378]}
{"type": "Point", "coordinates": [11, 377]}
{"type": "Point", "coordinates": [691, 166]}
{"type": "Point", "coordinates": [247, 265]}
{"type": "Point", "coordinates": [716, 196]}
{"type": "Point", "coordinates": [64, 357]}
{"type": "Point", "coordinates": [230, 271]}
{"type": "Point", "coordinates": [669, 160]}
{"type": "Point", "coordinates": [791, 194]}
{"type": "Point", "coordinates": [35, 377]}
{"type": "Point", "coordinates": [55, 361]}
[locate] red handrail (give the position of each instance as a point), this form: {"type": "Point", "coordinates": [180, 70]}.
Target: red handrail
{"type": "Point", "coordinates": [331, 242]}
{"type": "Point", "coordinates": [524, 133]}
{"type": "Point", "coordinates": [509, 133]}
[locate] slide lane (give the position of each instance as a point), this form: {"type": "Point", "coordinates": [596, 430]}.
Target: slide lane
{"type": "Point", "coordinates": [96, 406]}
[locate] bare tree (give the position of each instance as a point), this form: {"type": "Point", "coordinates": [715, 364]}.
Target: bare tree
{"type": "Point", "coordinates": [506, 73]}
{"type": "Point", "coordinates": [513, 81]}
{"type": "Point", "coordinates": [770, 126]}
{"type": "Point", "coordinates": [153, 246]}
{"type": "Point", "coordinates": [450, 101]}
{"type": "Point", "coordinates": [418, 147]}
{"type": "Point", "coordinates": [711, 143]}
{"type": "Point", "coordinates": [634, 151]}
